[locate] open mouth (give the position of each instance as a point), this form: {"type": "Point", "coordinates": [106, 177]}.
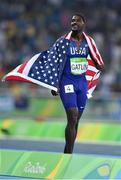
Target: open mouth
{"type": "Point", "coordinates": [74, 27]}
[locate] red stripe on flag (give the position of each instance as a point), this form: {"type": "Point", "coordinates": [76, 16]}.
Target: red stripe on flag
{"type": "Point", "coordinates": [88, 82]}
{"type": "Point", "coordinates": [95, 51]}
{"type": "Point", "coordinates": [17, 78]}
{"type": "Point", "coordinates": [65, 35]}
{"type": "Point", "coordinates": [22, 67]}
{"type": "Point", "coordinates": [90, 62]}
{"type": "Point", "coordinates": [90, 73]}
{"type": "Point", "coordinates": [93, 83]}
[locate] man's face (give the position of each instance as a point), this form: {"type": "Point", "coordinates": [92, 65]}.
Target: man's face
{"type": "Point", "coordinates": [77, 24]}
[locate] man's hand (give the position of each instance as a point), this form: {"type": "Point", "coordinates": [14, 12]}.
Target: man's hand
{"type": "Point", "coordinates": [54, 93]}
{"type": "Point", "coordinates": [100, 68]}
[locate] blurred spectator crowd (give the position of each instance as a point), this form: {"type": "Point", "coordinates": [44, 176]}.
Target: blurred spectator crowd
{"type": "Point", "coordinates": [30, 26]}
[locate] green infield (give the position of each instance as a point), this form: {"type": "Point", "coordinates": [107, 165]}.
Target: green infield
{"type": "Point", "coordinates": [53, 130]}
{"type": "Point", "coordinates": [52, 107]}
{"type": "Point", "coordinates": [58, 166]}
{"type": "Point", "coordinates": [38, 107]}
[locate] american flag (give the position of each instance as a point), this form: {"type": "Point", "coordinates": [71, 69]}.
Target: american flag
{"type": "Point", "coordinates": [46, 68]}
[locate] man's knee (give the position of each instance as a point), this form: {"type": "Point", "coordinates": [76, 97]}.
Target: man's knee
{"type": "Point", "coordinates": [72, 116]}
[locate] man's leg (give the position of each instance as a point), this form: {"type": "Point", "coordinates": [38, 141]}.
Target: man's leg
{"type": "Point", "coordinates": [70, 130]}
{"type": "Point", "coordinates": [69, 99]}
{"type": "Point", "coordinates": [81, 103]}
{"type": "Point", "coordinates": [79, 116]}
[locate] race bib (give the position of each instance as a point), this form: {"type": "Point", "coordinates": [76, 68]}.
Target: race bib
{"type": "Point", "coordinates": [78, 65]}
{"type": "Point", "coordinates": [69, 88]}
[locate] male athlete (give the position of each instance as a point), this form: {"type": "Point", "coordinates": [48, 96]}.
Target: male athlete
{"type": "Point", "coordinates": [73, 84]}
{"type": "Point", "coordinates": [69, 68]}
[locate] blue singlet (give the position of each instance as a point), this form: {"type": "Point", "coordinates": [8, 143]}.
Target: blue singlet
{"type": "Point", "coordinates": [73, 85]}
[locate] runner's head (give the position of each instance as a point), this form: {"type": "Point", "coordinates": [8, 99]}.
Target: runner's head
{"type": "Point", "coordinates": [78, 23]}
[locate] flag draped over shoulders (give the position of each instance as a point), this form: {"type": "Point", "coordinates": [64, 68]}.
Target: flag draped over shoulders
{"type": "Point", "coordinates": [46, 68]}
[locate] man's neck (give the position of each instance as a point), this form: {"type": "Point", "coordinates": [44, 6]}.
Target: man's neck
{"type": "Point", "coordinates": [77, 35]}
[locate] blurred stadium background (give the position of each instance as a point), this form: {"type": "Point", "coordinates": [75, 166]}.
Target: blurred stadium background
{"type": "Point", "coordinates": [30, 112]}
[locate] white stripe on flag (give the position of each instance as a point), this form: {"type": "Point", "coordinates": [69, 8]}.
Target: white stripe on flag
{"type": "Point", "coordinates": [29, 64]}
{"type": "Point", "coordinates": [14, 71]}
{"type": "Point", "coordinates": [97, 52]}
{"type": "Point", "coordinates": [96, 76]}
{"type": "Point", "coordinates": [90, 91]}
{"type": "Point", "coordinates": [16, 74]}
{"type": "Point", "coordinates": [17, 68]}
{"type": "Point", "coordinates": [69, 35]}
{"type": "Point", "coordinates": [92, 68]}
{"type": "Point", "coordinates": [89, 78]}
{"type": "Point", "coordinates": [91, 48]}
